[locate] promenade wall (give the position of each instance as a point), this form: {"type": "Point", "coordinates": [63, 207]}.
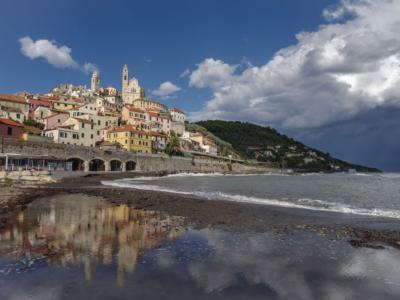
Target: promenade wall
{"type": "Point", "coordinates": [142, 162]}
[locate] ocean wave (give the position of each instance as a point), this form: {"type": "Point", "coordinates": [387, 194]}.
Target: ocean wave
{"type": "Point", "coordinates": [216, 174]}
{"type": "Point", "coordinates": [302, 203]}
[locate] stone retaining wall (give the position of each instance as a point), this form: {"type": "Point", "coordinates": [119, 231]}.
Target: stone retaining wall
{"type": "Point", "coordinates": [144, 162]}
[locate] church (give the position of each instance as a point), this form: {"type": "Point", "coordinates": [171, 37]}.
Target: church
{"type": "Point", "coordinates": [131, 89]}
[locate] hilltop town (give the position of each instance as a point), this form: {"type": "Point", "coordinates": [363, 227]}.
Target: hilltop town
{"type": "Point", "coordinates": [102, 117]}
{"type": "Point", "coordinates": [107, 119]}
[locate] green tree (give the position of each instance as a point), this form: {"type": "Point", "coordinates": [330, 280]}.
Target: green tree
{"type": "Point", "coordinates": [173, 146]}
{"type": "Point", "coordinates": [33, 123]}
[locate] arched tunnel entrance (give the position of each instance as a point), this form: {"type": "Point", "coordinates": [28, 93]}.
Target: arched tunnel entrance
{"type": "Point", "coordinates": [76, 164]}
{"type": "Point", "coordinates": [115, 165]}
{"type": "Point", "coordinates": [96, 165]}
{"type": "Point", "coordinates": [130, 165]}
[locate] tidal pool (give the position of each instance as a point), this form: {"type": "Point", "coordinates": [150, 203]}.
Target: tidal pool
{"type": "Point", "coordinates": [81, 247]}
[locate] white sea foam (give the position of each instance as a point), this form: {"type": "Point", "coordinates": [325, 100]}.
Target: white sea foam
{"type": "Point", "coordinates": [303, 203]}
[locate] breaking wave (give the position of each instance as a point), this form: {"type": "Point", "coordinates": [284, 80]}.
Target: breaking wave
{"type": "Point", "coordinates": [302, 203]}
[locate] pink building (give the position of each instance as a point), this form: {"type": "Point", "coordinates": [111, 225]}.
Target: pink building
{"type": "Point", "coordinates": [54, 121]}
{"type": "Point", "coordinates": [35, 103]}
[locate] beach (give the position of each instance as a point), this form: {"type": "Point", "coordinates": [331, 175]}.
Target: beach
{"type": "Point", "coordinates": [123, 242]}
{"type": "Point", "coordinates": [227, 215]}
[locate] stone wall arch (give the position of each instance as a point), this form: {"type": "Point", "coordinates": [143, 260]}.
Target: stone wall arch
{"type": "Point", "coordinates": [116, 165]}
{"type": "Point", "coordinates": [130, 165]}
{"type": "Point", "coordinates": [97, 165]}
{"type": "Point", "coordinates": [76, 163]}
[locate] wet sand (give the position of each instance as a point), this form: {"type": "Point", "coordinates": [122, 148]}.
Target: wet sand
{"type": "Point", "coordinates": [199, 213]}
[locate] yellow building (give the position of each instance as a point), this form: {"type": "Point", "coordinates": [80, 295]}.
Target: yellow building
{"type": "Point", "coordinates": [65, 105]}
{"type": "Point", "coordinates": [131, 138]}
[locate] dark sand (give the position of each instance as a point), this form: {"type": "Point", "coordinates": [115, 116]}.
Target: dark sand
{"type": "Point", "coordinates": [359, 231]}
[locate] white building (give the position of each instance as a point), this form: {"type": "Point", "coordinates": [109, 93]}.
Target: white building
{"type": "Point", "coordinates": [131, 89]}
{"type": "Point", "coordinates": [177, 115]}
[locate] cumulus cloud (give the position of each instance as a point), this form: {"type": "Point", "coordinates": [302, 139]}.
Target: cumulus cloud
{"type": "Point", "coordinates": [166, 89]}
{"type": "Point", "coordinates": [58, 56]}
{"type": "Point", "coordinates": [89, 68]}
{"type": "Point", "coordinates": [348, 66]}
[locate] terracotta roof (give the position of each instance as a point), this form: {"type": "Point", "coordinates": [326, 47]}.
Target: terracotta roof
{"type": "Point", "coordinates": [12, 98]}
{"type": "Point", "coordinates": [10, 109]}
{"type": "Point", "coordinates": [127, 128]}
{"type": "Point", "coordinates": [177, 110]}
{"type": "Point", "coordinates": [134, 109]}
{"type": "Point", "coordinates": [10, 122]}
{"type": "Point", "coordinates": [43, 102]}
{"type": "Point", "coordinates": [152, 114]}
{"type": "Point", "coordinates": [156, 133]}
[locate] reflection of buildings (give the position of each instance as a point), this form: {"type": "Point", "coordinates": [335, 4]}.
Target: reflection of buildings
{"type": "Point", "coordinates": [86, 231]}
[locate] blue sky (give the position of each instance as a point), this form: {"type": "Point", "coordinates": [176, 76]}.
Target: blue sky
{"type": "Point", "coordinates": [157, 39]}
{"type": "Point", "coordinates": [306, 67]}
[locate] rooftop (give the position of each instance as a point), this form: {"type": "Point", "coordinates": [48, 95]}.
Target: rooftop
{"type": "Point", "coordinates": [12, 98]}
{"type": "Point", "coordinates": [10, 122]}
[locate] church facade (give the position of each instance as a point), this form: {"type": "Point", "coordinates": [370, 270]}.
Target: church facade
{"type": "Point", "coordinates": [131, 89]}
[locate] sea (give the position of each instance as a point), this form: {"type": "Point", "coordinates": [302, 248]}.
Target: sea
{"type": "Point", "coordinates": [365, 194]}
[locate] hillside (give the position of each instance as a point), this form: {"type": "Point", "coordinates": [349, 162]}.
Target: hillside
{"type": "Point", "coordinates": [265, 144]}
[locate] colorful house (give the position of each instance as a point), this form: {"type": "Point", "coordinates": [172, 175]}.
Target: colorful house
{"type": "Point", "coordinates": [11, 129]}
{"type": "Point", "coordinates": [131, 139]}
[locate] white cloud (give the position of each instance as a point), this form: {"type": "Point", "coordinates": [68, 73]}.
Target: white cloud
{"type": "Point", "coordinates": [212, 73]}
{"type": "Point", "coordinates": [345, 67]}
{"type": "Point", "coordinates": [57, 55]}
{"type": "Point", "coordinates": [89, 68]}
{"type": "Point", "coordinates": [185, 73]}
{"type": "Point", "coordinates": [166, 90]}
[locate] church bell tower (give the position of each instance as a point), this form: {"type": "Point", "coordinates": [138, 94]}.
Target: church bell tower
{"type": "Point", "coordinates": [95, 83]}
{"type": "Point", "coordinates": [125, 81]}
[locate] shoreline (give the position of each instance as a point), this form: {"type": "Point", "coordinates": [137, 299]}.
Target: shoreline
{"type": "Point", "coordinates": [359, 231]}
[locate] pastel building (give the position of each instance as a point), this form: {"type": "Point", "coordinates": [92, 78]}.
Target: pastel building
{"type": "Point", "coordinates": [131, 139]}
{"type": "Point", "coordinates": [54, 120]}
{"type": "Point", "coordinates": [159, 123]}
{"type": "Point", "coordinates": [135, 116]}
{"type": "Point", "coordinates": [177, 115]}
{"type": "Point", "coordinates": [10, 129]}
{"type": "Point", "coordinates": [75, 131]}
{"type": "Point", "coordinates": [14, 105]}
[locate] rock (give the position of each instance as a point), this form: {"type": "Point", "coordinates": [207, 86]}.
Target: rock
{"type": "Point", "coordinates": [44, 173]}
{"type": "Point", "coordinates": [46, 179]}
{"type": "Point", "coordinates": [30, 178]}
{"type": "Point", "coordinates": [26, 173]}
{"type": "Point", "coordinates": [13, 175]}
{"type": "Point", "coordinates": [363, 244]}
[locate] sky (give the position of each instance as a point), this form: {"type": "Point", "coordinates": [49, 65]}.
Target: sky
{"type": "Point", "coordinates": [323, 71]}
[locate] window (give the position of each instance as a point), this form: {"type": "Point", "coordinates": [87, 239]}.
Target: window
{"type": "Point", "coordinates": [18, 116]}
{"type": "Point", "coordinates": [9, 130]}
{"type": "Point", "coordinates": [91, 136]}
{"type": "Point", "coordinates": [82, 135]}
{"type": "Point", "coordinates": [83, 125]}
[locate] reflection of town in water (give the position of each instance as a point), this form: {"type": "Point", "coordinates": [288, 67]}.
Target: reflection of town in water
{"type": "Point", "coordinates": [71, 231]}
